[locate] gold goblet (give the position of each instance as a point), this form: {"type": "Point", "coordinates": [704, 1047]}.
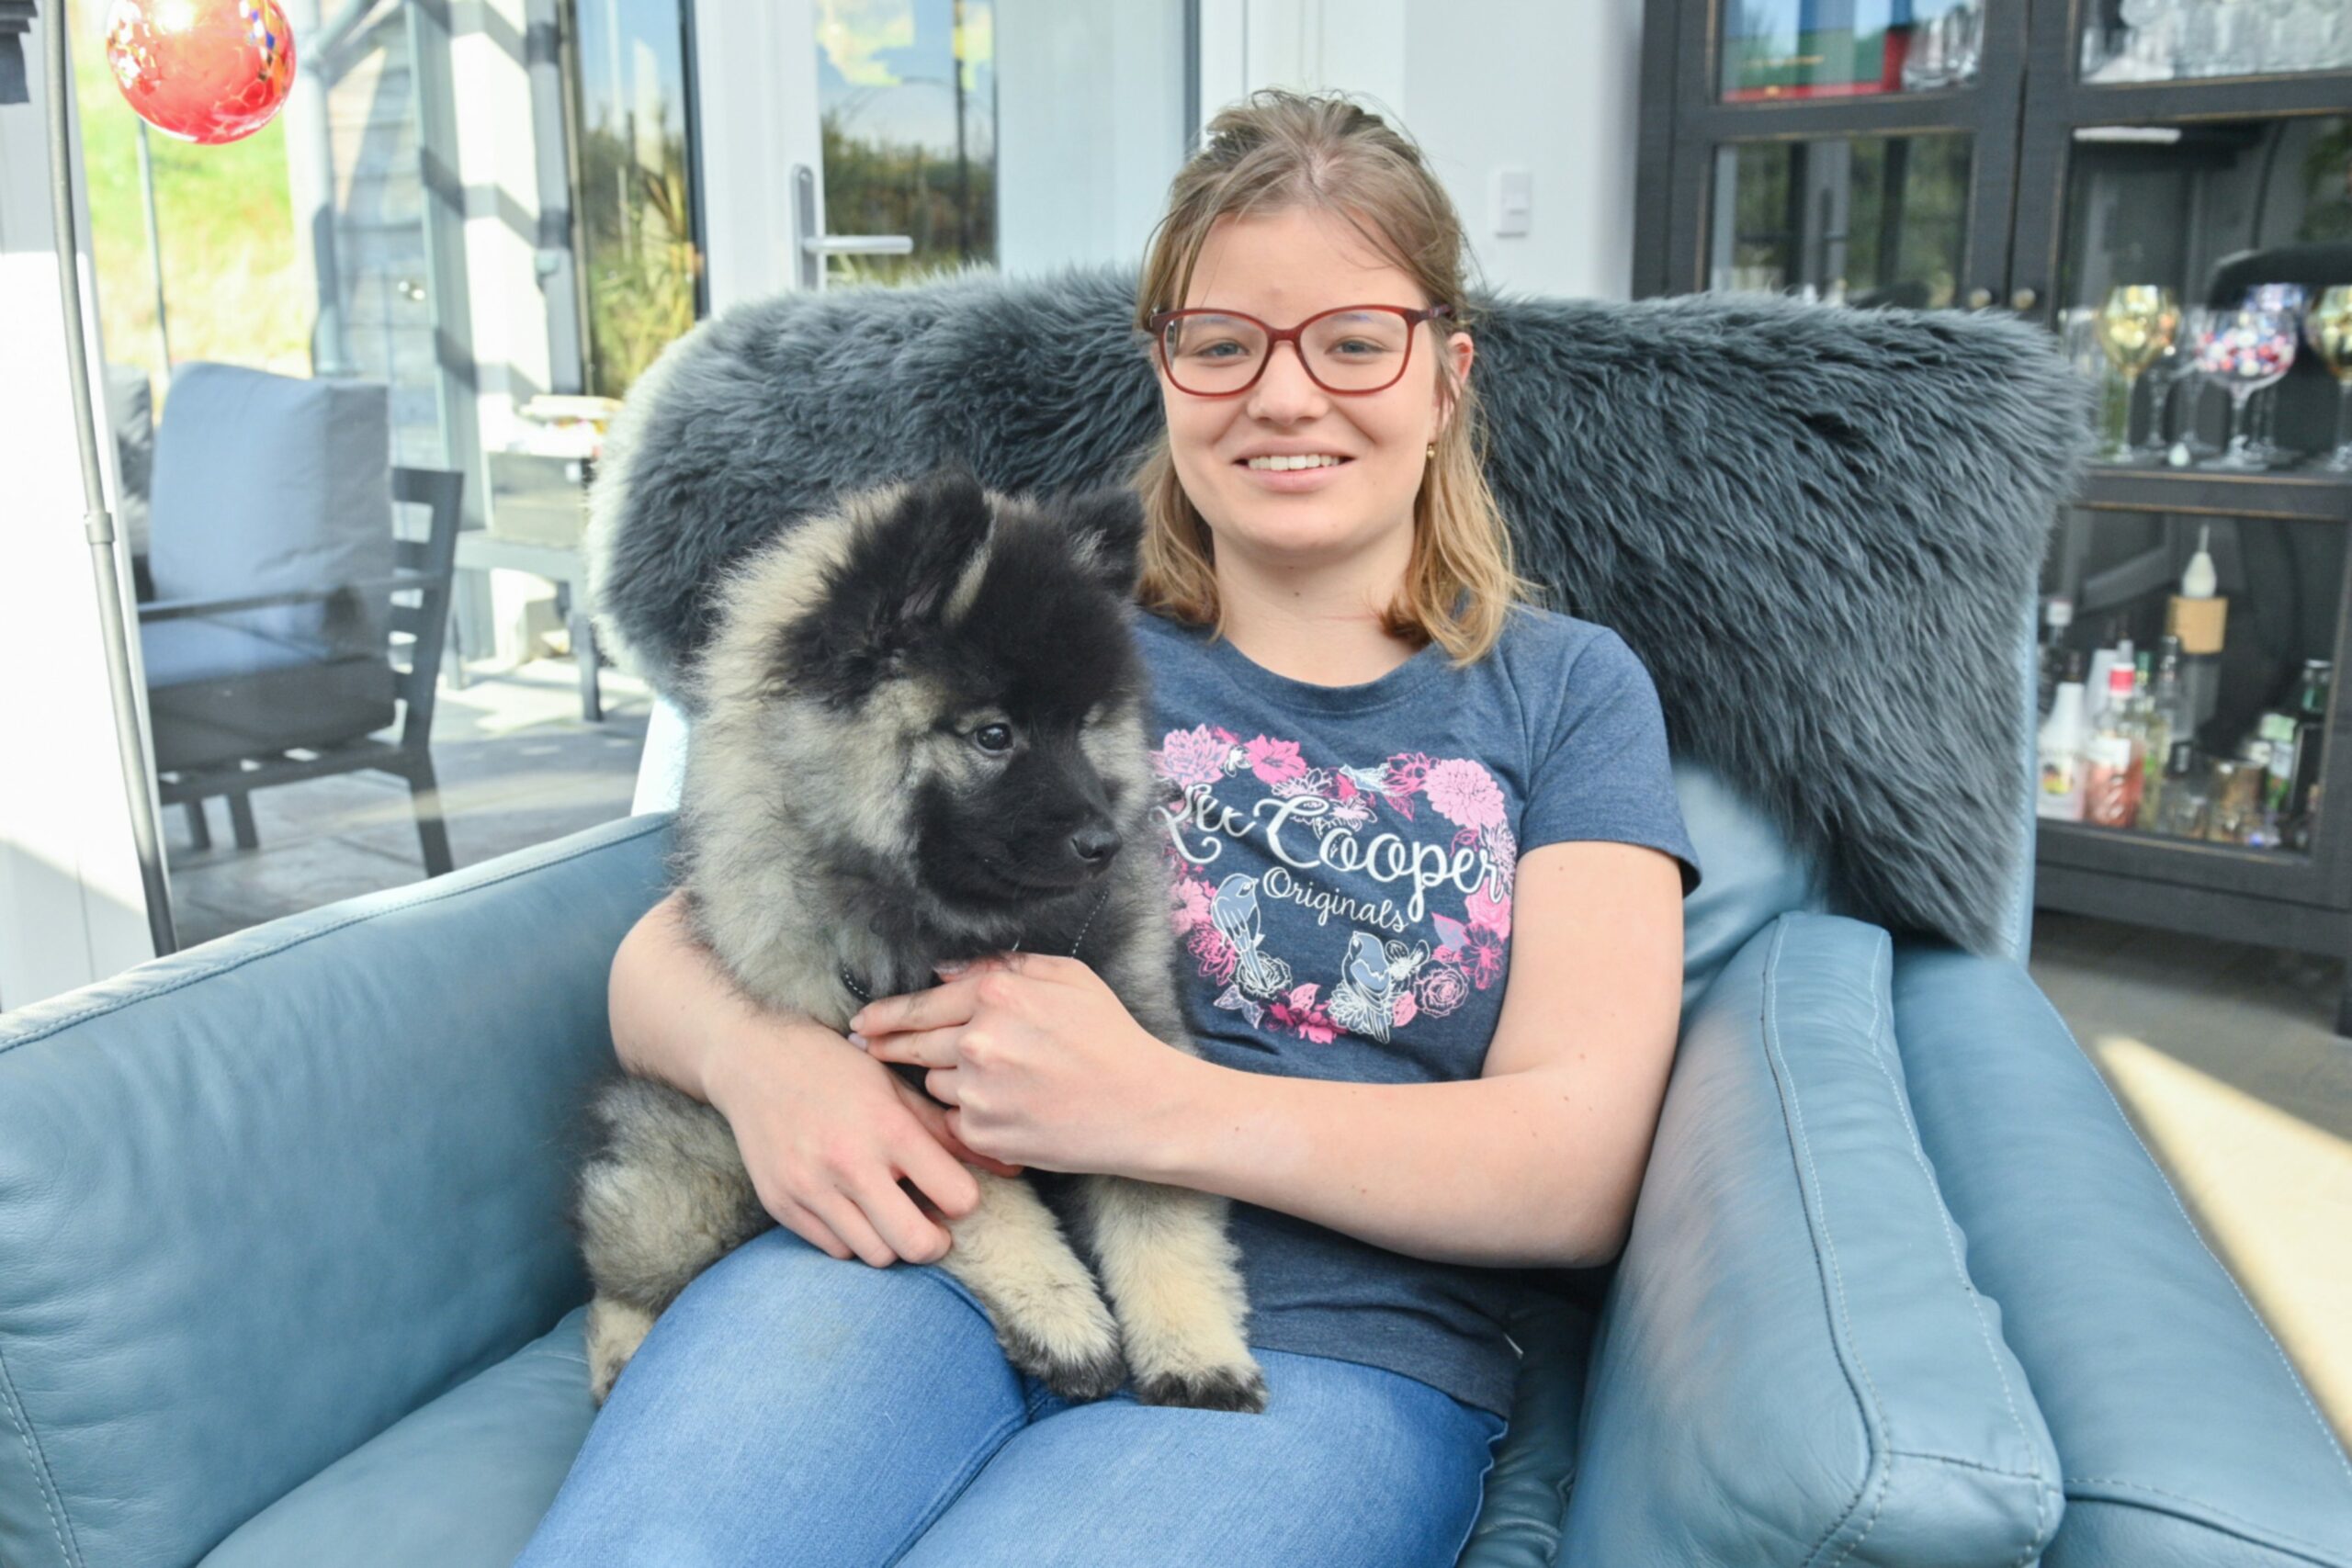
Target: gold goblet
{"type": "Point", "coordinates": [2136, 326]}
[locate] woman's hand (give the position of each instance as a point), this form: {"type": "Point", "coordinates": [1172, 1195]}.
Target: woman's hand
{"type": "Point", "coordinates": [1040, 1064]}
{"type": "Point", "coordinates": [844, 1152]}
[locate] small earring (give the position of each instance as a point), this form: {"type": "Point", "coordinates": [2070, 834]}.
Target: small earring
{"type": "Point", "coordinates": [1432, 453]}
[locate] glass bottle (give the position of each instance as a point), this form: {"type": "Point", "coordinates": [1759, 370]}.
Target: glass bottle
{"type": "Point", "coordinates": [2056, 616]}
{"type": "Point", "coordinates": [2112, 766]}
{"type": "Point", "coordinates": [2186, 806]}
{"type": "Point", "coordinates": [2059, 749]}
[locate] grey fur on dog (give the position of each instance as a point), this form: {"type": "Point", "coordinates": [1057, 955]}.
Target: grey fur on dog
{"type": "Point", "coordinates": [1819, 527]}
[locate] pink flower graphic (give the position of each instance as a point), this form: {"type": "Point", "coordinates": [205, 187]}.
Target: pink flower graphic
{"type": "Point", "coordinates": [1189, 904]}
{"type": "Point", "coordinates": [1274, 761]}
{"type": "Point", "coordinates": [1483, 959]}
{"type": "Point", "coordinates": [1302, 1015]}
{"type": "Point", "coordinates": [1217, 956]}
{"type": "Point", "coordinates": [1194, 756]}
{"type": "Point", "coordinates": [1405, 772]}
{"type": "Point", "coordinates": [1464, 793]}
{"type": "Point", "coordinates": [1440, 988]}
{"type": "Point", "coordinates": [1404, 1010]}
{"type": "Point", "coordinates": [1494, 914]}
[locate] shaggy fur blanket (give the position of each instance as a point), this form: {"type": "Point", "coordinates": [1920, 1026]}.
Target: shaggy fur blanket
{"type": "Point", "coordinates": [1820, 527]}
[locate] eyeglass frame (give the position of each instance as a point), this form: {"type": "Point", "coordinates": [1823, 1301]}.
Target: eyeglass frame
{"type": "Point", "coordinates": [1159, 321]}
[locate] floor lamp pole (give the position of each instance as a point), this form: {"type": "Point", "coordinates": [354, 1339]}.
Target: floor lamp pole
{"type": "Point", "coordinates": [97, 522]}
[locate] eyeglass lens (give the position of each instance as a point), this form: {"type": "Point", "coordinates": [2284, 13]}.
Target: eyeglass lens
{"type": "Point", "coordinates": [1354, 351]}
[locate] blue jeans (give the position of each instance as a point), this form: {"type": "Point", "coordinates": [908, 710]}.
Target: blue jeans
{"type": "Point", "coordinates": [794, 1408]}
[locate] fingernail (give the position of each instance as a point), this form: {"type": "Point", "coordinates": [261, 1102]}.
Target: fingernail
{"type": "Point", "coordinates": [857, 1039]}
{"type": "Point", "coordinates": [950, 968]}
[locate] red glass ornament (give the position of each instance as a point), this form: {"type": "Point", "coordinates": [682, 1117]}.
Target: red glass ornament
{"type": "Point", "coordinates": [205, 70]}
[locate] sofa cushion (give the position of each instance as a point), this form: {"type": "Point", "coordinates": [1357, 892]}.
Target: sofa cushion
{"type": "Point", "coordinates": [1795, 1366]}
{"type": "Point", "coordinates": [460, 1484]}
{"type": "Point", "coordinates": [264, 1198]}
{"type": "Point", "coordinates": [1753, 876]}
{"type": "Point", "coordinates": [2188, 1439]}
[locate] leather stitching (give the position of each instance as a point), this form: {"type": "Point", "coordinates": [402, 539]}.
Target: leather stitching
{"type": "Point", "coordinates": [426, 892]}
{"type": "Point", "coordinates": [52, 1503]}
{"type": "Point", "coordinates": [1850, 1362]}
{"type": "Point", "coordinates": [2326, 1436]}
{"type": "Point", "coordinates": [1951, 1250]}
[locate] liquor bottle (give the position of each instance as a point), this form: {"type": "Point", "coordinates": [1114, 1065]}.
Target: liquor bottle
{"type": "Point", "coordinates": [2059, 749]}
{"type": "Point", "coordinates": [2309, 708]}
{"type": "Point", "coordinates": [2111, 759]}
{"type": "Point", "coordinates": [2198, 616]}
{"type": "Point", "coordinates": [2056, 616]}
{"type": "Point", "coordinates": [2155, 752]}
{"type": "Point", "coordinates": [2186, 806]}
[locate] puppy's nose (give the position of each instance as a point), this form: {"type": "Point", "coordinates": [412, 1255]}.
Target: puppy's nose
{"type": "Point", "coordinates": [1095, 843]}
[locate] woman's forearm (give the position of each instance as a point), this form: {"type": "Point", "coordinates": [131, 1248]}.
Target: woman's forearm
{"type": "Point", "coordinates": [675, 1015]}
{"type": "Point", "coordinates": [1493, 1171]}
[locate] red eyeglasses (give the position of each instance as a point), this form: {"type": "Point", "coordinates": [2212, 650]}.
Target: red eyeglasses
{"type": "Point", "coordinates": [1351, 350]}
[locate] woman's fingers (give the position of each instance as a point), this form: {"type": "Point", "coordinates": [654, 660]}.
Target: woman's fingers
{"type": "Point", "coordinates": [953, 1190]}
{"type": "Point", "coordinates": [797, 1219]}
{"type": "Point", "coordinates": [919, 1048]}
{"type": "Point", "coordinates": [938, 1008]}
{"type": "Point", "coordinates": [849, 1222]}
{"type": "Point", "coordinates": [933, 1117]}
{"type": "Point", "coordinates": [905, 1230]}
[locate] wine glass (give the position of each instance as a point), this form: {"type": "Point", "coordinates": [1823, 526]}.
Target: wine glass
{"type": "Point", "coordinates": [2135, 326]}
{"type": "Point", "coordinates": [2242, 352]}
{"type": "Point", "coordinates": [2262, 412]}
{"type": "Point", "coordinates": [2328, 327]}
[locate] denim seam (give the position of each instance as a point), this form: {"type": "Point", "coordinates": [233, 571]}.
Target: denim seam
{"type": "Point", "coordinates": [1880, 1471]}
{"type": "Point", "coordinates": [53, 1502]}
{"type": "Point", "coordinates": [425, 894]}
{"type": "Point", "coordinates": [941, 1503]}
{"type": "Point", "coordinates": [2326, 1436]}
{"type": "Point", "coordinates": [1882, 1032]}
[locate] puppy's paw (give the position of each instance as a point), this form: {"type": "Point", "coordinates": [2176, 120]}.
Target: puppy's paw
{"type": "Point", "coordinates": [1079, 1374]}
{"type": "Point", "coordinates": [613, 1333]}
{"type": "Point", "coordinates": [1237, 1388]}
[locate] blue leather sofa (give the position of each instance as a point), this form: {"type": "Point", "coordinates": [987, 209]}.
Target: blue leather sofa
{"type": "Point", "coordinates": [284, 1279]}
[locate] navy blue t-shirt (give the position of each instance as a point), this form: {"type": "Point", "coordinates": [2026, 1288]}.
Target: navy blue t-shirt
{"type": "Point", "coordinates": [1341, 860]}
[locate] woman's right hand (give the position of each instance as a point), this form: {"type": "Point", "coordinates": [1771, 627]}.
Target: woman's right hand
{"type": "Point", "coordinates": [844, 1152]}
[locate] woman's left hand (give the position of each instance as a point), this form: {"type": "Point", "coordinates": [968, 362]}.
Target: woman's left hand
{"type": "Point", "coordinates": [1039, 1062]}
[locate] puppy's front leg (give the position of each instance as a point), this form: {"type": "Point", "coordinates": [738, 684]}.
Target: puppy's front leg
{"type": "Point", "coordinates": [1175, 1283]}
{"type": "Point", "coordinates": [1047, 1309]}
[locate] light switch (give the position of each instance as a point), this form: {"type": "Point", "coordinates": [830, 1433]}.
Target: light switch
{"type": "Point", "coordinates": [1511, 200]}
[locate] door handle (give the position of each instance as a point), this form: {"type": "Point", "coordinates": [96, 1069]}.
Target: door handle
{"type": "Point", "coordinates": [816, 244]}
{"type": "Point", "coordinates": [859, 245]}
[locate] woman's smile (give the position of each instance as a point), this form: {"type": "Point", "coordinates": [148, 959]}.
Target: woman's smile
{"type": "Point", "coordinates": [1275, 474]}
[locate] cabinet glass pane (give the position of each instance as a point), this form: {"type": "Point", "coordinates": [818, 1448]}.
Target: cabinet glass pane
{"type": "Point", "coordinates": [1834, 48]}
{"type": "Point", "coordinates": [2231, 743]}
{"type": "Point", "coordinates": [1865, 220]}
{"type": "Point", "coordinates": [2223, 214]}
{"type": "Point", "coordinates": [2166, 41]}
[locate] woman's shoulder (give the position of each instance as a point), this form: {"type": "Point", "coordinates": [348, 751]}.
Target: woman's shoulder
{"type": "Point", "coordinates": [1547, 642]}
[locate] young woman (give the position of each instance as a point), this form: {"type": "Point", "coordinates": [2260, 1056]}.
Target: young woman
{"type": "Point", "coordinates": [1428, 875]}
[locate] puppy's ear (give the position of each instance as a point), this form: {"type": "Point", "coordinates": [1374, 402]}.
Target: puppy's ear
{"type": "Point", "coordinates": [1105, 529]}
{"type": "Point", "coordinates": [920, 554]}
{"type": "Point", "coordinates": [900, 575]}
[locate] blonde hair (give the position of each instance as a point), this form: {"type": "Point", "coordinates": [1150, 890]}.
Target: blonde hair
{"type": "Point", "coordinates": [1278, 151]}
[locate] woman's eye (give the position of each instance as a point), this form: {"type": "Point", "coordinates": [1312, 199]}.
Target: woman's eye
{"type": "Point", "coordinates": [993, 738]}
{"type": "Point", "coordinates": [1358, 348]}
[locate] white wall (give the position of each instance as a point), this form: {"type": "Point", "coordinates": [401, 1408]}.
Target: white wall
{"type": "Point", "coordinates": [1550, 87]}
{"type": "Point", "coordinates": [70, 905]}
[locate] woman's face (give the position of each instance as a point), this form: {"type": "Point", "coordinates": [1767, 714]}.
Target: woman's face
{"type": "Point", "coordinates": [1281, 268]}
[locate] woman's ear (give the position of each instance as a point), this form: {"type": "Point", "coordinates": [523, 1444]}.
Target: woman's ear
{"type": "Point", "coordinates": [1459, 352]}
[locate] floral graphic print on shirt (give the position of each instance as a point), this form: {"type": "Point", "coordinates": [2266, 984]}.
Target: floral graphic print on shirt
{"type": "Point", "coordinates": [1405, 863]}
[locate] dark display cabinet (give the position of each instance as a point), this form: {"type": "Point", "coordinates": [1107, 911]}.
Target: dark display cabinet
{"type": "Point", "coordinates": [2166, 185]}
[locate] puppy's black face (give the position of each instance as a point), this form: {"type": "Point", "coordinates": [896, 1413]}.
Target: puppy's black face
{"type": "Point", "coordinates": [992, 645]}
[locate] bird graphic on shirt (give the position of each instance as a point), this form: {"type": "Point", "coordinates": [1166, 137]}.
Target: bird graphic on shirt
{"type": "Point", "coordinates": [1233, 909]}
{"type": "Point", "coordinates": [1371, 976]}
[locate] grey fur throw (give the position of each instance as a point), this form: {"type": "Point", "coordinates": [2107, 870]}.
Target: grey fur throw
{"type": "Point", "coordinates": [1820, 527]}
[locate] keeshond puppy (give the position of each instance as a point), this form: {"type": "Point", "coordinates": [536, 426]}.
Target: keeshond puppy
{"type": "Point", "coordinates": [923, 740]}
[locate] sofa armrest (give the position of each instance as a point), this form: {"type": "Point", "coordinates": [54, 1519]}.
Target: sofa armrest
{"type": "Point", "coordinates": [261, 1199]}
{"type": "Point", "coordinates": [2186, 1436]}
{"type": "Point", "coordinates": [1792, 1366]}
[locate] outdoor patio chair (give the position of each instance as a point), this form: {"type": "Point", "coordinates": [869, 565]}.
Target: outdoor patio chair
{"type": "Point", "coordinates": [284, 1277]}
{"type": "Point", "coordinates": [271, 651]}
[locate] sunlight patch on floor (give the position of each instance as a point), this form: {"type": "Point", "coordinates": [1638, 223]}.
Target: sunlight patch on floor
{"type": "Point", "coordinates": [2272, 1191]}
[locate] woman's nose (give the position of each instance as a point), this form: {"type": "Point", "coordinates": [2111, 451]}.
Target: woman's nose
{"type": "Point", "coordinates": [1285, 392]}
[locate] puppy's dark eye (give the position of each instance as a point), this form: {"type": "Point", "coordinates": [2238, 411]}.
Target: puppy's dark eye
{"type": "Point", "coordinates": [993, 738]}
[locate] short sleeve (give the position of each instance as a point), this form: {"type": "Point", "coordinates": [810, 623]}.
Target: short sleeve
{"type": "Point", "coordinates": [1606, 774]}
